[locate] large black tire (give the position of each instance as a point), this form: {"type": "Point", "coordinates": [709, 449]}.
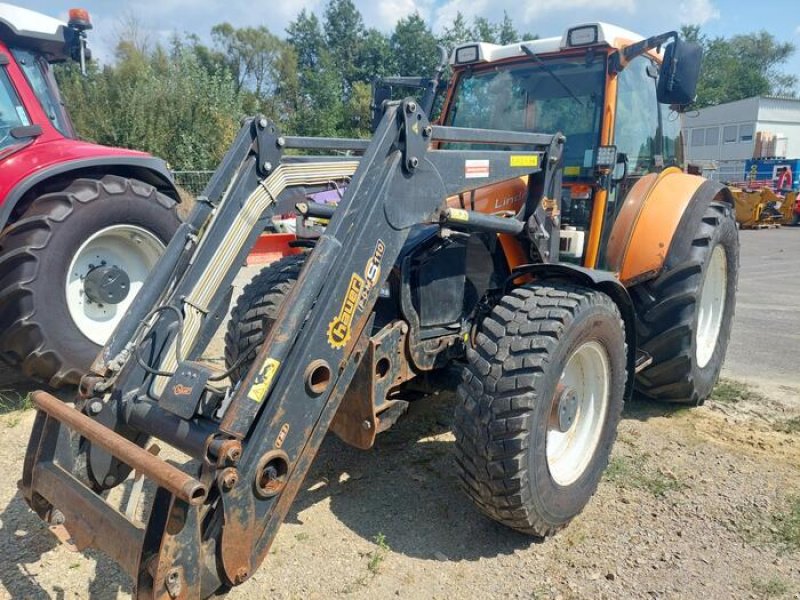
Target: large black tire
{"type": "Point", "coordinates": [668, 314]}
{"type": "Point", "coordinates": [255, 311]}
{"type": "Point", "coordinates": [508, 397]}
{"type": "Point", "coordinates": [37, 331]}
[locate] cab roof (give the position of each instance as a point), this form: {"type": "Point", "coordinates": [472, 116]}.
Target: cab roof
{"type": "Point", "coordinates": [607, 35]}
{"type": "Point", "coordinates": [29, 29]}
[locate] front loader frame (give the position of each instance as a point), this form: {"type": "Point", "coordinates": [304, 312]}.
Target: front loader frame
{"type": "Point", "coordinates": [211, 529]}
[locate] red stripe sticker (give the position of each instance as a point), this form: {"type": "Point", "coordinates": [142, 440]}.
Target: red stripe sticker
{"type": "Point", "coordinates": [474, 169]}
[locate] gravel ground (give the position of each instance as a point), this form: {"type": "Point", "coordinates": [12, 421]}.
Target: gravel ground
{"type": "Point", "coordinates": [696, 503]}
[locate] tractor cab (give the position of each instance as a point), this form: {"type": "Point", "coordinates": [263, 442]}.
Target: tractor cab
{"type": "Point", "coordinates": [30, 42]}
{"type": "Point", "coordinates": [606, 90]}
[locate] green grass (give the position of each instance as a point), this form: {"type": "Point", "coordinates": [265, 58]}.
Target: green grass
{"type": "Point", "coordinates": [377, 556]}
{"type": "Point", "coordinates": [11, 401]}
{"type": "Point", "coordinates": [728, 391]}
{"type": "Point", "coordinates": [774, 587]}
{"type": "Point", "coordinates": [633, 472]}
{"type": "Point", "coordinates": [788, 426]}
{"type": "Point", "coordinates": [785, 527]}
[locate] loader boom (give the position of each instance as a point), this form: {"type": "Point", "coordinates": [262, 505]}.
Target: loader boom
{"type": "Point", "coordinates": [212, 528]}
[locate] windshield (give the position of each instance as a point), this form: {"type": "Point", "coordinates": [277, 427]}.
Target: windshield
{"type": "Point", "coordinates": [529, 98]}
{"type": "Point", "coordinates": [12, 113]}
{"type": "Point", "coordinates": [44, 86]}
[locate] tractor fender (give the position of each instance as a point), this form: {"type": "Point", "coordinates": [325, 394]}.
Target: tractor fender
{"type": "Point", "coordinates": [602, 281]}
{"type": "Point", "coordinates": [651, 225]}
{"type": "Point", "coordinates": [147, 169]}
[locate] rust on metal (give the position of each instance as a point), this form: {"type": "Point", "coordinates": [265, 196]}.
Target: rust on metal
{"type": "Point", "coordinates": [87, 517]}
{"type": "Point", "coordinates": [171, 478]}
{"type": "Point", "coordinates": [385, 365]}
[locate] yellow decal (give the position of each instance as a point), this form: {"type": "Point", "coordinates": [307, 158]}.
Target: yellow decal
{"type": "Point", "coordinates": [415, 128]}
{"type": "Point", "coordinates": [525, 160]}
{"type": "Point", "coordinates": [458, 214]}
{"type": "Point", "coordinates": [264, 379]}
{"type": "Point", "coordinates": [572, 171]}
{"type": "Point", "coordinates": [339, 327]}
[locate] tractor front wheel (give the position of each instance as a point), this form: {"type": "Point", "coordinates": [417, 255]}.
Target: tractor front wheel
{"type": "Point", "coordinates": [71, 265]}
{"type": "Point", "coordinates": [686, 313]}
{"type": "Point", "coordinates": [541, 398]}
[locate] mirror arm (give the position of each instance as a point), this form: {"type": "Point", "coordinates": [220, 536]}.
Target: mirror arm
{"type": "Point", "coordinates": [621, 58]}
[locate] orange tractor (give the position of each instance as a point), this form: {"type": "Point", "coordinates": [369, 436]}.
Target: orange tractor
{"type": "Point", "coordinates": [541, 239]}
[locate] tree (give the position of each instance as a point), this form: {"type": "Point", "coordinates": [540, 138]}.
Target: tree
{"type": "Point", "coordinates": [741, 66]}
{"type": "Point", "coordinates": [484, 31]}
{"type": "Point", "coordinates": [414, 46]}
{"type": "Point", "coordinates": [163, 102]}
{"type": "Point", "coordinates": [344, 37]}
{"type": "Point", "coordinates": [251, 54]}
{"type": "Point", "coordinates": [376, 58]}
{"type": "Point", "coordinates": [319, 101]}
{"type": "Point", "coordinates": [458, 33]}
{"type": "Point", "coordinates": [507, 33]}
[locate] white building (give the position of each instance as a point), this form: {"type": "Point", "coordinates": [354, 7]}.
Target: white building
{"type": "Point", "coordinates": [721, 138]}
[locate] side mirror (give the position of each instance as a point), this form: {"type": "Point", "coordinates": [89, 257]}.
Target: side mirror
{"type": "Point", "coordinates": [677, 81]}
{"type": "Point", "coordinates": [620, 171]}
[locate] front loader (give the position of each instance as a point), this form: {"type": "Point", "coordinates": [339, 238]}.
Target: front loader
{"type": "Point", "coordinates": [454, 246]}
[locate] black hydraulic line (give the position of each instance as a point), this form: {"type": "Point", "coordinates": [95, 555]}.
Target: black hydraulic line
{"type": "Point", "coordinates": [475, 221]}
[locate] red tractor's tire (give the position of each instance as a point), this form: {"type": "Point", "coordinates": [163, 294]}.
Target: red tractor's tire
{"type": "Point", "coordinates": [38, 331]}
{"type": "Point", "coordinates": [672, 322]}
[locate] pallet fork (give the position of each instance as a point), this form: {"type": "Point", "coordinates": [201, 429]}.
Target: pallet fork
{"type": "Point", "coordinates": [210, 528]}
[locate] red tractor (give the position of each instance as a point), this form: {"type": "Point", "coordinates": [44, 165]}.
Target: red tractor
{"type": "Point", "coordinates": [81, 225]}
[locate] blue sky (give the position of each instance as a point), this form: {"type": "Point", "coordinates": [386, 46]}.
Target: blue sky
{"type": "Point", "coordinates": [545, 17]}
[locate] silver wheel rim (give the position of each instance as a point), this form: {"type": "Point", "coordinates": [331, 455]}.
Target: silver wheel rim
{"type": "Point", "coordinates": [588, 375]}
{"type": "Point", "coordinates": [128, 247]}
{"type": "Point", "coordinates": [711, 306]}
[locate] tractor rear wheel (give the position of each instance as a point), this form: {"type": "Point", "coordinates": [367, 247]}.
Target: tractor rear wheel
{"type": "Point", "coordinates": [541, 399]}
{"type": "Point", "coordinates": [686, 313]}
{"type": "Point", "coordinates": [69, 268]}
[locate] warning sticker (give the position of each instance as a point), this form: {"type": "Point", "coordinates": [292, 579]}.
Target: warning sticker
{"type": "Point", "coordinates": [524, 160]}
{"type": "Point", "coordinates": [459, 214]}
{"type": "Point", "coordinates": [475, 169]}
{"type": "Point", "coordinates": [264, 380]}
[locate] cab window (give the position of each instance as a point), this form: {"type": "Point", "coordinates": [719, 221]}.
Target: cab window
{"type": "Point", "coordinates": [672, 144]}
{"type": "Point", "coordinates": [39, 75]}
{"type": "Point", "coordinates": [12, 113]}
{"type": "Point", "coordinates": [636, 127]}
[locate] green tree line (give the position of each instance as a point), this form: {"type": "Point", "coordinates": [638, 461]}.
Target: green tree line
{"type": "Point", "coordinates": [183, 100]}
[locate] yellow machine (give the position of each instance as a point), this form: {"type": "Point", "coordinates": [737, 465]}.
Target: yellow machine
{"type": "Point", "coordinates": [760, 209]}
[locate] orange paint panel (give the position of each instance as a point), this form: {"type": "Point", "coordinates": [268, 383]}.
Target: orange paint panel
{"type": "Point", "coordinates": [500, 197]}
{"type": "Point", "coordinates": [657, 222]}
{"type": "Point", "coordinates": [601, 197]}
{"type": "Point", "coordinates": [626, 219]}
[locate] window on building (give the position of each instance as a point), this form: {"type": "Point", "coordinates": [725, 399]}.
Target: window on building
{"type": "Point", "coordinates": [698, 137]}
{"type": "Point", "coordinates": [729, 134]}
{"type": "Point", "coordinates": [746, 132]}
{"type": "Point", "coordinates": [712, 136]}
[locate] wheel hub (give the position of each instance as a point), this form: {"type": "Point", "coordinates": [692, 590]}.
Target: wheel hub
{"type": "Point", "coordinates": [106, 284]}
{"type": "Point", "coordinates": [567, 409]}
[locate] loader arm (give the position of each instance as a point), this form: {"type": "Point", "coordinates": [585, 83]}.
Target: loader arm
{"type": "Point", "coordinates": [210, 528]}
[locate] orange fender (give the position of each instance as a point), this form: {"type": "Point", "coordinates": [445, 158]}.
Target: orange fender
{"type": "Point", "coordinates": [646, 224]}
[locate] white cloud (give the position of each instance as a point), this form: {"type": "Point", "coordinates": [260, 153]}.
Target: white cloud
{"type": "Point", "coordinates": [698, 12]}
